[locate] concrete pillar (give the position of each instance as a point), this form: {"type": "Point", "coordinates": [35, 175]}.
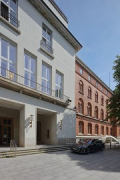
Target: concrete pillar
{"type": "Point", "coordinates": [27, 136]}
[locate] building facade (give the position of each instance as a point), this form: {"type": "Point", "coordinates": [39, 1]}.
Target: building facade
{"type": "Point", "coordinates": [37, 52]}
{"type": "Point", "coordinates": [91, 96]}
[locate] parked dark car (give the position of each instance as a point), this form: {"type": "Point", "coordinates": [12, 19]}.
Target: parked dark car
{"type": "Point", "coordinates": [89, 146]}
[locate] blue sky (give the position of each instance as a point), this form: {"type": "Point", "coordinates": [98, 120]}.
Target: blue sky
{"type": "Point", "coordinates": [96, 25]}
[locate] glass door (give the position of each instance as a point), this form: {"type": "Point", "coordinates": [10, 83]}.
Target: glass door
{"type": "Point", "coordinates": [5, 131]}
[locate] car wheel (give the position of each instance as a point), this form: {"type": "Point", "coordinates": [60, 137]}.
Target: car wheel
{"type": "Point", "coordinates": [87, 150]}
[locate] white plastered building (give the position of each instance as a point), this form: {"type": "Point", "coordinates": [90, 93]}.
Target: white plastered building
{"type": "Point", "coordinates": [37, 74]}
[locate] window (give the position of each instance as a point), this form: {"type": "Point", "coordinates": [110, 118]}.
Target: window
{"type": "Point", "coordinates": [102, 100]}
{"type": "Point", "coordinates": [58, 86]}
{"type": "Point", "coordinates": [89, 128]}
{"type": "Point", "coordinates": [89, 109]}
{"type": "Point", "coordinates": [81, 87]}
{"type": "Point", "coordinates": [102, 130]}
{"type": "Point", "coordinates": [101, 88]}
{"type": "Point", "coordinates": [9, 11]}
{"type": "Point", "coordinates": [8, 59]}
{"type": "Point", "coordinates": [107, 131]}
{"type": "Point", "coordinates": [81, 127]}
{"type": "Point", "coordinates": [47, 39]}
{"type": "Point", "coordinates": [96, 129]}
{"type": "Point", "coordinates": [102, 114]}
{"type": "Point", "coordinates": [46, 79]}
{"type": "Point", "coordinates": [89, 78]}
{"type": "Point", "coordinates": [96, 112]}
{"type": "Point", "coordinates": [81, 71]}
{"type": "Point", "coordinates": [89, 92]}
{"type": "Point", "coordinates": [96, 97]}
{"type": "Point", "coordinates": [96, 84]}
{"type": "Point", "coordinates": [80, 106]}
{"type": "Point", "coordinates": [29, 70]}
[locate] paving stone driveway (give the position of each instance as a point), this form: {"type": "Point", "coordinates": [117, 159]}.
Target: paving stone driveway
{"type": "Point", "coordinates": [63, 166]}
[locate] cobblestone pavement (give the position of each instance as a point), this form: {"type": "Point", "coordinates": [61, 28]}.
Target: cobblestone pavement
{"type": "Point", "coordinates": [104, 165]}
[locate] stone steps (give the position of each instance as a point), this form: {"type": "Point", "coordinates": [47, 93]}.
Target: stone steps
{"type": "Point", "coordinates": [8, 154]}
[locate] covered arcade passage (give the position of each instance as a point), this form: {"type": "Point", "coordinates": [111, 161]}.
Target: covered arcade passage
{"type": "Point", "coordinates": [46, 127]}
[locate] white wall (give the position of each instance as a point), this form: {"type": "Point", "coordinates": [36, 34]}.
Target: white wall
{"type": "Point", "coordinates": [64, 61]}
{"type": "Point", "coordinates": [28, 135]}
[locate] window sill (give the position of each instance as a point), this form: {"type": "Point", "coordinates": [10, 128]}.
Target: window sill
{"type": "Point", "coordinates": [102, 104]}
{"type": "Point", "coordinates": [96, 101]}
{"type": "Point", "coordinates": [47, 53]}
{"type": "Point", "coordinates": [89, 97]}
{"type": "Point", "coordinates": [10, 25]}
{"type": "Point", "coordinates": [81, 92]}
{"type": "Point", "coordinates": [80, 133]}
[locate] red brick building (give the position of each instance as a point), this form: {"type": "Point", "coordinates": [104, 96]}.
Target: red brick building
{"type": "Point", "coordinates": [91, 95]}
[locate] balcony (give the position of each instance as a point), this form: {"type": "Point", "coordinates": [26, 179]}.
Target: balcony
{"type": "Point", "coordinates": [9, 17]}
{"type": "Point", "coordinates": [46, 48]}
{"type": "Point", "coordinates": [18, 83]}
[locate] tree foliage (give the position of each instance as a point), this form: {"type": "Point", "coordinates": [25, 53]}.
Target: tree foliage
{"type": "Point", "coordinates": [113, 106]}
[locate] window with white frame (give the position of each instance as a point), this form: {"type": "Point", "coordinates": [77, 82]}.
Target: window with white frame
{"type": "Point", "coordinates": [29, 70]}
{"type": "Point", "coordinates": [46, 79]}
{"type": "Point", "coordinates": [9, 11]}
{"type": "Point", "coordinates": [96, 84]}
{"type": "Point", "coordinates": [81, 71]}
{"type": "Point", "coordinates": [7, 59]}
{"type": "Point", "coordinates": [89, 78]}
{"type": "Point", "coordinates": [47, 39]}
{"type": "Point", "coordinates": [58, 85]}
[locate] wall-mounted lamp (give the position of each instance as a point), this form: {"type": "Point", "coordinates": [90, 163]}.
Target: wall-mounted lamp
{"type": "Point", "coordinates": [31, 119]}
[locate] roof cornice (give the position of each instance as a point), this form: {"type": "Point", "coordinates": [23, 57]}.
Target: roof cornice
{"type": "Point", "coordinates": [92, 73]}
{"type": "Point", "coordinates": [56, 23]}
{"type": "Point", "coordinates": [59, 10]}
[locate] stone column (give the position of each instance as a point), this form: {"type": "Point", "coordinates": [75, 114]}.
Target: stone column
{"type": "Point", "coordinates": [27, 133]}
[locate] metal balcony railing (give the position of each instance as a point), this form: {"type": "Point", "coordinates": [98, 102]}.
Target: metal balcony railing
{"type": "Point", "coordinates": [28, 83]}
{"type": "Point", "coordinates": [9, 17]}
{"type": "Point", "coordinates": [46, 47]}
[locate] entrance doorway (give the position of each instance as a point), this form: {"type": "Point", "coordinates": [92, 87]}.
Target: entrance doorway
{"type": "Point", "coordinates": [5, 130]}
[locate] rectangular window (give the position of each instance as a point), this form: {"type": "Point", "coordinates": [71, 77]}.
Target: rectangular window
{"type": "Point", "coordinates": [46, 79]}
{"type": "Point", "coordinates": [7, 59]}
{"type": "Point", "coordinates": [101, 88]}
{"type": "Point", "coordinates": [81, 71]}
{"type": "Point", "coordinates": [29, 71]}
{"type": "Point", "coordinates": [89, 78]}
{"type": "Point", "coordinates": [9, 11]}
{"type": "Point", "coordinates": [47, 39]}
{"type": "Point", "coordinates": [96, 84]}
{"type": "Point", "coordinates": [58, 86]}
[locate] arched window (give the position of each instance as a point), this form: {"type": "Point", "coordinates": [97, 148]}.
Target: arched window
{"type": "Point", "coordinates": [89, 128]}
{"type": "Point", "coordinates": [80, 106]}
{"type": "Point", "coordinates": [102, 130]}
{"type": "Point", "coordinates": [89, 92]}
{"type": "Point", "coordinates": [89, 109]}
{"type": "Point", "coordinates": [96, 112]}
{"type": "Point", "coordinates": [96, 129]}
{"type": "Point", "coordinates": [102, 114]}
{"type": "Point", "coordinates": [81, 127]}
{"type": "Point", "coordinates": [102, 100]}
{"type": "Point", "coordinates": [107, 131]}
{"type": "Point", "coordinates": [81, 89]}
{"type": "Point", "coordinates": [96, 96]}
